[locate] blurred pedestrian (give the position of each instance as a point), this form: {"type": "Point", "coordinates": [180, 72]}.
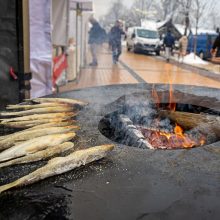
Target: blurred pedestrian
{"type": "Point", "coordinates": [96, 38]}
{"type": "Point", "coordinates": [169, 44]}
{"type": "Point", "coordinates": [115, 40]}
{"type": "Point", "coordinates": [183, 44]}
{"type": "Point", "coordinates": [215, 51]}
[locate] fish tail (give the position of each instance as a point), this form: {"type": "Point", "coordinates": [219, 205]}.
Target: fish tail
{"type": "Point", "coordinates": [5, 164]}
{"type": "Point", "coordinates": [8, 186]}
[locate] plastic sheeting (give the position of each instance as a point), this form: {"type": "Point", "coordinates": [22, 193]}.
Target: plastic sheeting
{"type": "Point", "coordinates": [9, 92]}
{"type": "Point", "coordinates": [40, 47]}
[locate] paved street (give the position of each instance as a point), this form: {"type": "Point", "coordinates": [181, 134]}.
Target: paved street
{"type": "Point", "coordinates": [137, 68]}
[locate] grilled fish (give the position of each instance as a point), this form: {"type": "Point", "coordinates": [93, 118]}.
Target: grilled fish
{"type": "Point", "coordinates": [28, 107]}
{"type": "Point", "coordinates": [53, 124]}
{"type": "Point", "coordinates": [61, 165]}
{"type": "Point", "coordinates": [40, 116]}
{"type": "Point", "coordinates": [58, 109]}
{"type": "Point", "coordinates": [60, 100]}
{"type": "Point", "coordinates": [42, 126]}
{"type": "Point", "coordinates": [34, 145]}
{"type": "Point", "coordinates": [29, 124]}
{"type": "Point", "coordinates": [41, 155]}
{"type": "Point", "coordinates": [30, 134]}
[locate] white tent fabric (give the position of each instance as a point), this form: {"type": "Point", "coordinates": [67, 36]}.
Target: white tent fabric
{"type": "Point", "coordinates": [60, 21]}
{"type": "Point", "coordinates": [40, 47]}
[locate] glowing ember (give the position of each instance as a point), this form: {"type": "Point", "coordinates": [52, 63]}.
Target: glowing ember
{"type": "Point", "coordinates": [176, 140]}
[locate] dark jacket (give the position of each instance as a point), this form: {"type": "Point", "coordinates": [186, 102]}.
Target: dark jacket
{"type": "Point", "coordinates": [115, 34]}
{"type": "Point", "coordinates": [97, 34]}
{"type": "Point", "coordinates": [216, 45]}
{"type": "Point", "coordinates": [169, 40]}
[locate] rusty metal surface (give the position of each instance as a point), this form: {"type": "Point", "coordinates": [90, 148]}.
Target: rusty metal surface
{"type": "Point", "coordinates": [130, 183]}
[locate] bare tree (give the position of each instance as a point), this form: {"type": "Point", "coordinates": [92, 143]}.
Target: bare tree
{"type": "Point", "coordinates": [185, 7]}
{"type": "Point", "coordinates": [116, 11]}
{"type": "Point", "coordinates": [166, 8]}
{"type": "Point", "coordinates": [198, 11]}
{"type": "Point", "coordinates": [211, 15]}
{"type": "Point", "coordinates": [141, 9]}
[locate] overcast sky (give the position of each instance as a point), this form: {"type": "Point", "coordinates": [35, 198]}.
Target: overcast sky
{"type": "Point", "coordinates": [101, 6]}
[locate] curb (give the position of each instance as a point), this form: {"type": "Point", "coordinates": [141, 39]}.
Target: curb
{"type": "Point", "coordinates": [201, 71]}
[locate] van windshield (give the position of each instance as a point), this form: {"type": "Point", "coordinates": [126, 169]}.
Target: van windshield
{"type": "Point", "coordinates": [147, 33]}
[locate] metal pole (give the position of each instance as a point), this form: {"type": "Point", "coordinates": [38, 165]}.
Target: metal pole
{"type": "Point", "coordinates": [23, 33]}
{"type": "Point", "coordinates": [81, 41]}
{"type": "Point", "coordinates": [67, 22]}
{"type": "Point", "coordinates": [77, 11]}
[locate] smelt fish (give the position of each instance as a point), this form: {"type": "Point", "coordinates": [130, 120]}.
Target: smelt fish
{"type": "Point", "coordinates": [34, 145]}
{"type": "Point", "coordinates": [61, 165]}
{"type": "Point", "coordinates": [54, 124]}
{"type": "Point", "coordinates": [41, 155]}
{"type": "Point", "coordinates": [60, 100]}
{"type": "Point", "coordinates": [31, 106]}
{"type": "Point", "coordinates": [57, 109]}
{"type": "Point", "coordinates": [30, 134]}
{"type": "Point", "coordinates": [29, 124]}
{"type": "Point", "coordinates": [40, 116]}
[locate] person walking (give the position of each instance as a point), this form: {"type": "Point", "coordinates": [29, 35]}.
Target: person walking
{"type": "Point", "coordinates": [115, 40]}
{"type": "Point", "coordinates": [169, 44]}
{"type": "Point", "coordinates": [183, 44]}
{"type": "Point", "coordinates": [96, 38]}
{"type": "Point", "coordinates": [215, 51]}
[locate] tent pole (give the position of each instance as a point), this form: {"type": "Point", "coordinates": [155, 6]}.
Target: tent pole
{"type": "Point", "coordinates": [23, 32]}
{"type": "Point", "coordinates": [77, 8]}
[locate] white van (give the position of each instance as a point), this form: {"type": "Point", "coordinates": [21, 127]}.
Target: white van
{"type": "Point", "coordinates": [143, 39]}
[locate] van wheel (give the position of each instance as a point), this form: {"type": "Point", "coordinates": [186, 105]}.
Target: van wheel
{"type": "Point", "coordinates": [201, 55]}
{"type": "Point", "coordinates": [135, 50]}
{"type": "Point", "coordinates": [128, 48]}
{"type": "Point", "coordinates": [158, 53]}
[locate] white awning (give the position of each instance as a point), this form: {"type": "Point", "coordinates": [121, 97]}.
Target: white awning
{"type": "Point", "coordinates": [84, 5]}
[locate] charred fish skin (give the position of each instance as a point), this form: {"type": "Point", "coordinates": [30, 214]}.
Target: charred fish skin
{"type": "Point", "coordinates": [34, 145]}
{"type": "Point", "coordinates": [61, 165]}
{"type": "Point", "coordinates": [41, 155]}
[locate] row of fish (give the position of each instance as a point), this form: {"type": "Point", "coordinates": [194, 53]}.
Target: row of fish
{"type": "Point", "coordinates": [61, 165]}
{"type": "Point", "coordinates": [47, 128]}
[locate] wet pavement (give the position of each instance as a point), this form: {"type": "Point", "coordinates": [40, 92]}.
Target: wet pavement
{"type": "Point", "coordinates": [141, 68]}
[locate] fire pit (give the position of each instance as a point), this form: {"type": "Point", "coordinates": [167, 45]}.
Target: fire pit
{"type": "Point", "coordinates": [131, 183]}
{"type": "Point", "coordinates": [145, 122]}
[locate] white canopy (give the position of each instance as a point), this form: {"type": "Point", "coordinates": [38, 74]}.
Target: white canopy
{"type": "Point", "coordinates": [40, 47]}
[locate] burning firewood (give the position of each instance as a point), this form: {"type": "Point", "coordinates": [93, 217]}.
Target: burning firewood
{"type": "Point", "coordinates": [190, 120]}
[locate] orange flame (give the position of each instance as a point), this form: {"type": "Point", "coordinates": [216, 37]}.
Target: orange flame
{"type": "Point", "coordinates": [177, 139]}
{"type": "Point", "coordinates": [180, 139]}
{"type": "Point", "coordinates": [155, 96]}
{"type": "Point", "coordinates": [172, 104]}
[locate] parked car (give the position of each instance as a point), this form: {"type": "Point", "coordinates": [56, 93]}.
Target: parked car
{"type": "Point", "coordinates": [141, 39]}
{"type": "Point", "coordinates": [204, 44]}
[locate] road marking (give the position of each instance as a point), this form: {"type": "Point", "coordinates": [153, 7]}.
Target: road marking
{"type": "Point", "coordinates": [132, 72]}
